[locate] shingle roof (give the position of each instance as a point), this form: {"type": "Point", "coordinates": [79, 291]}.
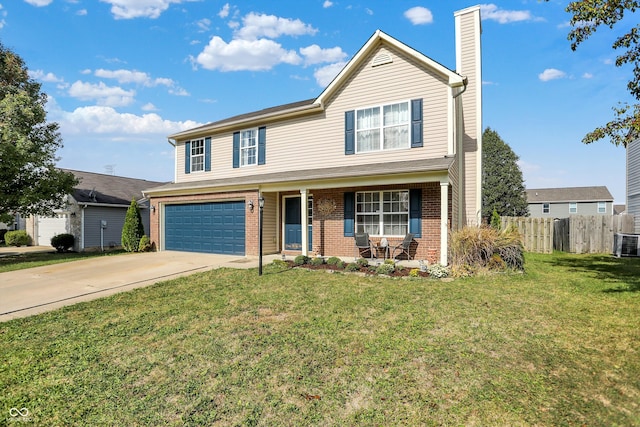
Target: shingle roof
{"type": "Point", "coordinates": [569, 194]}
{"type": "Point", "coordinates": [247, 116]}
{"type": "Point", "coordinates": [108, 189]}
{"type": "Point", "coordinates": [619, 209]}
{"type": "Point", "coordinates": [393, 168]}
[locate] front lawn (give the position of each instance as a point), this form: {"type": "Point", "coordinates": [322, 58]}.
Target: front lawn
{"type": "Point", "coordinates": [558, 345]}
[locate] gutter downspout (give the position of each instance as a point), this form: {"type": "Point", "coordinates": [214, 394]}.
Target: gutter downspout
{"type": "Point", "coordinates": [82, 228]}
{"type": "Point", "coordinates": [460, 154]}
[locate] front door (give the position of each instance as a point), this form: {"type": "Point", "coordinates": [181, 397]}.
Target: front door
{"type": "Point", "coordinates": [293, 223]}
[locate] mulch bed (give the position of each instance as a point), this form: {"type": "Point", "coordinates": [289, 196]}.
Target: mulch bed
{"type": "Point", "coordinates": [397, 273]}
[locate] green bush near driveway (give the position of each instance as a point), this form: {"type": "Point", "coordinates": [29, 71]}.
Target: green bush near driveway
{"type": "Point", "coordinates": [17, 238]}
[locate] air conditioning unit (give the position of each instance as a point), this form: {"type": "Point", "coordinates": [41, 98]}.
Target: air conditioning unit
{"type": "Point", "coordinates": [626, 244]}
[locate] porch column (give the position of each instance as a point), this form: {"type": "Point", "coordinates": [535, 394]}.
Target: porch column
{"type": "Point", "coordinates": [444, 216]}
{"type": "Point", "coordinates": [304, 221]}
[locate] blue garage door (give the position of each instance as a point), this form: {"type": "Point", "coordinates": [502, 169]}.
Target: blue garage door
{"type": "Point", "coordinates": [216, 228]}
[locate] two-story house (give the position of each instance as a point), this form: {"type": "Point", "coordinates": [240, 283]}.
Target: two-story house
{"type": "Point", "coordinates": [566, 201]}
{"type": "Point", "coordinates": [392, 146]}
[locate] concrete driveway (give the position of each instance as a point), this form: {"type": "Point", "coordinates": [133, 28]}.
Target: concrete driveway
{"type": "Point", "coordinates": [36, 290]}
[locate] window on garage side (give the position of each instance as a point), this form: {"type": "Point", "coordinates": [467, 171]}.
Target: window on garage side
{"type": "Point", "coordinates": [197, 155]}
{"type": "Point", "coordinates": [383, 213]}
{"type": "Point", "coordinates": [573, 207]}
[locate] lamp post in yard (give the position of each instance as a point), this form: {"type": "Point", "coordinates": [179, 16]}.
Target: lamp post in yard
{"type": "Point", "coordinates": [261, 206]}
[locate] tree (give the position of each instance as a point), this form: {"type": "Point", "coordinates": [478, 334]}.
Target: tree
{"type": "Point", "coordinates": [29, 181]}
{"type": "Point", "coordinates": [502, 183]}
{"type": "Point", "coordinates": [133, 229]}
{"type": "Point", "coordinates": [587, 17]}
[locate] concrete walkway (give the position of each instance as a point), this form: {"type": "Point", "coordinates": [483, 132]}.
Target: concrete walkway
{"type": "Point", "coordinates": [36, 290]}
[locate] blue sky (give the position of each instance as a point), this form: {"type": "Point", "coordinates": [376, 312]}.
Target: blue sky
{"type": "Point", "coordinates": [121, 75]}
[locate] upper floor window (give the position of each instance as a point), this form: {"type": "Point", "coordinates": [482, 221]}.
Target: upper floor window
{"type": "Point", "coordinates": [602, 207]}
{"type": "Point", "coordinates": [197, 155]}
{"type": "Point", "coordinates": [573, 207]}
{"type": "Point", "coordinates": [382, 213]}
{"type": "Point", "coordinates": [248, 147]}
{"type": "Point", "coordinates": [546, 208]}
{"type": "Point", "coordinates": [383, 127]}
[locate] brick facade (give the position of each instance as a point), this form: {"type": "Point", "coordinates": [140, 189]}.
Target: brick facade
{"type": "Point", "coordinates": [327, 231]}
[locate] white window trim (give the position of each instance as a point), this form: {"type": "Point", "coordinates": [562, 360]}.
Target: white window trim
{"type": "Point", "coordinates": [192, 156]}
{"type": "Point", "coordinates": [575, 204]}
{"type": "Point", "coordinates": [381, 128]}
{"type": "Point", "coordinates": [604, 207]}
{"type": "Point", "coordinates": [380, 212]}
{"type": "Point", "coordinates": [242, 164]}
{"type": "Point", "coordinates": [548, 209]}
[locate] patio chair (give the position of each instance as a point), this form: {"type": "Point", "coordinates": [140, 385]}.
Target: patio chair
{"type": "Point", "coordinates": [363, 245]}
{"type": "Point", "coordinates": [404, 247]}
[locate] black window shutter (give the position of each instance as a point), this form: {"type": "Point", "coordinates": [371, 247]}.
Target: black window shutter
{"type": "Point", "coordinates": [262, 145]}
{"type": "Point", "coordinates": [349, 132]}
{"type": "Point", "coordinates": [187, 157]}
{"type": "Point", "coordinates": [349, 214]}
{"type": "Point", "coordinates": [207, 154]}
{"type": "Point", "coordinates": [416, 123]}
{"type": "Point", "coordinates": [415, 212]}
{"type": "Point", "coordinates": [236, 149]}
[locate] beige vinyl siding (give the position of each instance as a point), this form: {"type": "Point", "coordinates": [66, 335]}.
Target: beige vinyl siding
{"type": "Point", "coordinates": [270, 224]}
{"type": "Point", "coordinates": [317, 140]}
{"type": "Point", "coordinates": [469, 67]}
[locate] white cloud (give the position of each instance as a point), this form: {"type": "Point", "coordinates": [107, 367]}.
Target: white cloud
{"type": "Point", "coordinates": [141, 78]}
{"type": "Point", "coordinates": [39, 3]}
{"type": "Point", "coordinates": [368, 11]}
{"type": "Point", "coordinates": [204, 24]}
{"type": "Point", "coordinates": [82, 12]}
{"type": "Point", "coordinates": [502, 16]}
{"type": "Point", "coordinates": [149, 107]}
{"type": "Point", "coordinates": [102, 94]}
{"type": "Point", "coordinates": [124, 76]}
{"type": "Point", "coordinates": [314, 54]}
{"type": "Point", "coordinates": [327, 3]}
{"type": "Point", "coordinates": [587, 76]}
{"type": "Point", "coordinates": [224, 12]}
{"type": "Point", "coordinates": [255, 55]}
{"type": "Point", "coordinates": [44, 77]}
{"type": "Point", "coordinates": [106, 120]}
{"type": "Point", "coordinates": [419, 15]}
{"type": "Point", "coordinates": [551, 74]}
{"type": "Point", "coordinates": [325, 75]}
{"type": "Point", "coordinates": [256, 26]}
{"type": "Point", "coordinates": [129, 9]}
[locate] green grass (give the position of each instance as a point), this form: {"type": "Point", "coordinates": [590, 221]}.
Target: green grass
{"type": "Point", "coordinates": [558, 345]}
{"type": "Point", "coordinates": [38, 259]}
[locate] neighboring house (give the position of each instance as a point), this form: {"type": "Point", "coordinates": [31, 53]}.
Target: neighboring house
{"type": "Point", "coordinates": [619, 209]}
{"type": "Point", "coordinates": [633, 182]}
{"type": "Point", "coordinates": [392, 146]}
{"type": "Point", "coordinates": [94, 212]}
{"type": "Point", "coordinates": [562, 202]}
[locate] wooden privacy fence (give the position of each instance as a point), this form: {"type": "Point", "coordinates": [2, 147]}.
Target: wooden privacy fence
{"type": "Point", "coordinates": [537, 233]}
{"type": "Point", "coordinates": [579, 234]}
